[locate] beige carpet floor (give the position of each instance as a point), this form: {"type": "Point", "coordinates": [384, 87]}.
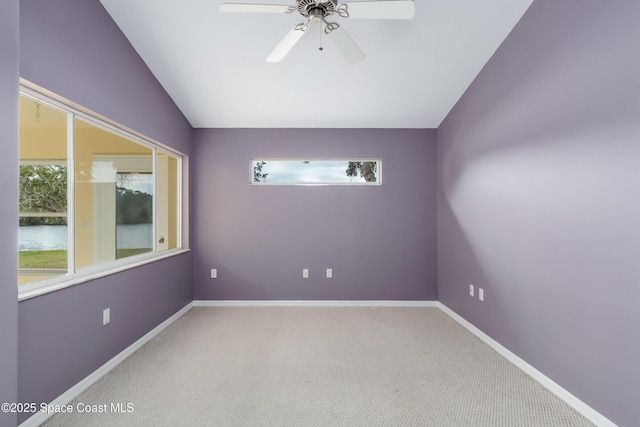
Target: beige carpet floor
{"type": "Point", "coordinates": [318, 366]}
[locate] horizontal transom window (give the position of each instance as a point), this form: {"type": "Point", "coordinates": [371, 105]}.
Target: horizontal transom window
{"type": "Point", "coordinates": [316, 171]}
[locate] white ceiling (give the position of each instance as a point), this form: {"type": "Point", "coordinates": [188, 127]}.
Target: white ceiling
{"type": "Point", "coordinates": [213, 64]}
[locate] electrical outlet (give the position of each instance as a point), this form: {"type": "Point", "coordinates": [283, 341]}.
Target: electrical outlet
{"type": "Point", "coordinates": [471, 290]}
{"type": "Point", "coordinates": [305, 273]}
{"type": "Point", "coordinates": [481, 294]}
{"type": "Point", "coordinates": [106, 316]}
{"type": "Point", "coordinates": [214, 273]}
{"type": "Point", "coordinates": [329, 273]}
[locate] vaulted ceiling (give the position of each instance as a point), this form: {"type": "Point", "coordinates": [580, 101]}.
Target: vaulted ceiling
{"type": "Point", "coordinates": [213, 64]}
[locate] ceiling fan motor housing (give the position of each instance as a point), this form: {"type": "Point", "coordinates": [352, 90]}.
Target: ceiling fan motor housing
{"type": "Point", "coordinates": [316, 8]}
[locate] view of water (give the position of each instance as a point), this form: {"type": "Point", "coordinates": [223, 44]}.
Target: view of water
{"type": "Point", "coordinates": [51, 237]}
{"type": "Point", "coordinates": [42, 237]}
{"type": "Point", "coordinates": [132, 236]}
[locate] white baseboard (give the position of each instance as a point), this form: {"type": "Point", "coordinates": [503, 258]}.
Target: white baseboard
{"type": "Point", "coordinates": [40, 417]}
{"type": "Point", "coordinates": [308, 303]}
{"type": "Point", "coordinates": [584, 409]}
{"type": "Point", "coordinates": [588, 412]}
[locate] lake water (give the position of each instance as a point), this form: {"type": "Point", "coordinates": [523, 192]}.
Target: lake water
{"type": "Point", "coordinates": [42, 237]}
{"type": "Point", "coordinates": [52, 237]}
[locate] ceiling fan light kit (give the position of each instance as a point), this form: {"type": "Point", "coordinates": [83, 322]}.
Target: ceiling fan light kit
{"type": "Point", "coordinates": [317, 12]}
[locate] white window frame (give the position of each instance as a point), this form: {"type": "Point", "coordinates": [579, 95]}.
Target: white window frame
{"type": "Point", "coordinates": [77, 276]}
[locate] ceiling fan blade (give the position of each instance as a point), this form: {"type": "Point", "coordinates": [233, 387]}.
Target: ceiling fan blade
{"type": "Point", "coordinates": [384, 9]}
{"type": "Point", "coordinates": [345, 44]}
{"type": "Point", "coordinates": [286, 44]}
{"type": "Point", "coordinates": [255, 8]}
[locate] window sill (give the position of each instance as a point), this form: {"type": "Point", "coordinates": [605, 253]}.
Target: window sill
{"type": "Point", "coordinates": [36, 289]}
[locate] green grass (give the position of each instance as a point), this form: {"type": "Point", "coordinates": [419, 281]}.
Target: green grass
{"type": "Point", "coordinates": [123, 253]}
{"type": "Point", "coordinates": [58, 258]}
{"type": "Point", "coordinates": [43, 259]}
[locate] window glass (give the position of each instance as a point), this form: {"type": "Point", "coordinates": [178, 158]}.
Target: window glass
{"type": "Point", "coordinates": [42, 231]}
{"type": "Point", "coordinates": [134, 213]}
{"type": "Point", "coordinates": [167, 195]}
{"type": "Point", "coordinates": [91, 194]}
{"type": "Point", "coordinates": [114, 196]}
{"type": "Point", "coordinates": [315, 171]}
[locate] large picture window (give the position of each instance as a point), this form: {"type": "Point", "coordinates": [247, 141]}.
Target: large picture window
{"type": "Point", "coordinates": [93, 197]}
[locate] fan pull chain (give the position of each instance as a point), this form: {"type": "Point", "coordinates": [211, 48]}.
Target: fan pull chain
{"type": "Point", "coordinates": [320, 48]}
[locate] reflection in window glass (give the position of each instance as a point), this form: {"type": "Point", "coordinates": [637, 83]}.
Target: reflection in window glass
{"type": "Point", "coordinates": [42, 231]}
{"type": "Point", "coordinates": [310, 171]}
{"type": "Point", "coordinates": [43, 249]}
{"type": "Point", "coordinates": [167, 202]}
{"type": "Point", "coordinates": [90, 194]}
{"type": "Point", "coordinates": [134, 213]}
{"type": "Point", "coordinates": [102, 158]}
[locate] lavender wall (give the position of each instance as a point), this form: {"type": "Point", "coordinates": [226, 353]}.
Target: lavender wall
{"type": "Point", "coordinates": [8, 213]}
{"type": "Point", "coordinates": [538, 199]}
{"type": "Point", "coordinates": [61, 337]}
{"type": "Point", "coordinates": [73, 48]}
{"type": "Point", "coordinates": [380, 241]}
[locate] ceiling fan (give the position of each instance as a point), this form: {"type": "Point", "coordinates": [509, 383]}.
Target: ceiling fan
{"type": "Point", "coordinates": [317, 12]}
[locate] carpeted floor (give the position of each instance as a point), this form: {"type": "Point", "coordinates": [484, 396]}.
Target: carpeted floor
{"type": "Point", "coordinates": [318, 366]}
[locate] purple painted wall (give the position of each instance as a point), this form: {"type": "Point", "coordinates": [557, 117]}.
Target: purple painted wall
{"type": "Point", "coordinates": [73, 48]}
{"type": "Point", "coordinates": [8, 213]}
{"type": "Point", "coordinates": [380, 241]}
{"type": "Point", "coordinates": [539, 199]}
{"type": "Point", "coordinates": [537, 204]}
